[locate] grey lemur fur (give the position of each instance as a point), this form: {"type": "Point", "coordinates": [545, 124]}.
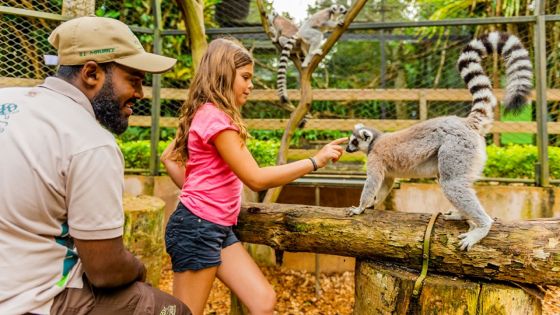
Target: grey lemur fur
{"type": "Point", "coordinates": [285, 33]}
{"type": "Point", "coordinates": [313, 28]}
{"type": "Point", "coordinates": [450, 148]}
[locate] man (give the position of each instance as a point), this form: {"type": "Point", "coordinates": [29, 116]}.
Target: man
{"type": "Point", "coordinates": [61, 182]}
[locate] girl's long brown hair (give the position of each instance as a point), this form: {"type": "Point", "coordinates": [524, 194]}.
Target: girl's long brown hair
{"type": "Point", "coordinates": [212, 83]}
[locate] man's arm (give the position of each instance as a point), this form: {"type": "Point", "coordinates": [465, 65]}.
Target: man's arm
{"type": "Point", "coordinates": [108, 264]}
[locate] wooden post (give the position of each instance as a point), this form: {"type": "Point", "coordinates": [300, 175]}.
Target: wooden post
{"type": "Point", "coordinates": [423, 106]}
{"type": "Point", "coordinates": [143, 232]}
{"type": "Point", "coordinates": [193, 17]}
{"type": "Point", "coordinates": [384, 289]}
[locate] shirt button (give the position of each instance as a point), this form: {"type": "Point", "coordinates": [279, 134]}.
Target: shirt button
{"type": "Point", "coordinates": [199, 220]}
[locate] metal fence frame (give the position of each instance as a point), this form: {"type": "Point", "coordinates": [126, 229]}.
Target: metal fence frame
{"type": "Point", "coordinates": [539, 19]}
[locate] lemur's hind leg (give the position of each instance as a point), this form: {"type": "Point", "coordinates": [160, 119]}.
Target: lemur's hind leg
{"type": "Point", "coordinates": [314, 38]}
{"type": "Point", "coordinates": [458, 166]}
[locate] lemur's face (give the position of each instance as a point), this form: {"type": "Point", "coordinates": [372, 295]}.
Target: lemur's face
{"type": "Point", "coordinates": [360, 139]}
{"type": "Point", "coordinates": [338, 9]}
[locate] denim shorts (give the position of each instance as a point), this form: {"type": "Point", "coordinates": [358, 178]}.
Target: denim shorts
{"type": "Point", "coordinates": [194, 243]}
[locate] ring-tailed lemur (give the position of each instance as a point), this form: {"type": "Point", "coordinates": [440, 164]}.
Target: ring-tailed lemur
{"type": "Point", "coordinates": [313, 28]}
{"type": "Point", "coordinates": [449, 148]}
{"type": "Point", "coordinates": [285, 33]}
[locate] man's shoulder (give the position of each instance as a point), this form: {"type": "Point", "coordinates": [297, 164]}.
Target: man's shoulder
{"type": "Point", "coordinates": [15, 91]}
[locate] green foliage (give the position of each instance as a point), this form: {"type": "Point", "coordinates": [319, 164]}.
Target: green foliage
{"type": "Point", "coordinates": [134, 133]}
{"type": "Point", "coordinates": [513, 161]}
{"type": "Point", "coordinates": [264, 151]}
{"type": "Point", "coordinates": [300, 136]}
{"type": "Point", "coordinates": [518, 161]}
{"type": "Point", "coordinates": [137, 153]}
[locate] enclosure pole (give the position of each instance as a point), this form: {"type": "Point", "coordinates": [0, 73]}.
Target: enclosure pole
{"type": "Point", "coordinates": [156, 101]}
{"type": "Point", "coordinates": [541, 167]}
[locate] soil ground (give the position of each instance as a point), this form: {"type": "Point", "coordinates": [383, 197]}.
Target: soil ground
{"type": "Point", "coordinates": [296, 293]}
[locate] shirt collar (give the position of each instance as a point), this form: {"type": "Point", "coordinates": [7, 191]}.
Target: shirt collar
{"type": "Point", "coordinates": [62, 87]}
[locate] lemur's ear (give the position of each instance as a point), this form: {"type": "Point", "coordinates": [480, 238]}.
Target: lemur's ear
{"type": "Point", "coordinates": [365, 134]}
{"type": "Point", "coordinates": [358, 126]}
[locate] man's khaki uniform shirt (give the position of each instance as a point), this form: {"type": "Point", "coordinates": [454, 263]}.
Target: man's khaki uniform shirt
{"type": "Point", "coordinates": [61, 177]}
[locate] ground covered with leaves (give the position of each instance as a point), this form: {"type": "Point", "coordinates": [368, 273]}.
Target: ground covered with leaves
{"type": "Point", "coordinates": [296, 293]}
{"type": "Point", "coordinates": [295, 290]}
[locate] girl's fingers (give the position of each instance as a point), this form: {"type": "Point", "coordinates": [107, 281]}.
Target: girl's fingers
{"type": "Point", "coordinates": [339, 141]}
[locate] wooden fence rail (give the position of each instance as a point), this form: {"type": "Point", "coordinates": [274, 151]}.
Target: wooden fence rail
{"type": "Point", "coordinates": [423, 96]}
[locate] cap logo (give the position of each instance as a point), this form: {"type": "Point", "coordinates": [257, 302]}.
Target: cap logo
{"type": "Point", "coordinates": [97, 52]}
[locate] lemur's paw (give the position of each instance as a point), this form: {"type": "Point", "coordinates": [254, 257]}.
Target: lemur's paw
{"type": "Point", "coordinates": [467, 240]}
{"type": "Point", "coordinates": [318, 51]}
{"type": "Point", "coordinates": [354, 210]}
{"type": "Point", "coordinates": [340, 23]}
{"type": "Point", "coordinates": [452, 215]}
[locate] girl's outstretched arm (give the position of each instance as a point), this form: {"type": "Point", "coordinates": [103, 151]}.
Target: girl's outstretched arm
{"type": "Point", "coordinates": [237, 156]}
{"type": "Point", "coordinates": [175, 170]}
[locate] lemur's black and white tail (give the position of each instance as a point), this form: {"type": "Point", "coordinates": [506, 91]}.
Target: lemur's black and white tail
{"type": "Point", "coordinates": [519, 72]}
{"type": "Point", "coordinates": [281, 82]}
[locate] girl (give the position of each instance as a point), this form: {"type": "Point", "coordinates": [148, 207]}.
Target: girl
{"type": "Point", "coordinates": [209, 161]}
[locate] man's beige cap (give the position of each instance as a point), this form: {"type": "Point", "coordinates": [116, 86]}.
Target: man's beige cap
{"type": "Point", "coordinates": [102, 40]}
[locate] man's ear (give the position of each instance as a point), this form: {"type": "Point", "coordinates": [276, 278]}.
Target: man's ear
{"type": "Point", "coordinates": [90, 79]}
{"type": "Point", "coordinates": [92, 75]}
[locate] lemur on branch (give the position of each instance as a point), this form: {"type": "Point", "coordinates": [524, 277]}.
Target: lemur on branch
{"type": "Point", "coordinates": [285, 33]}
{"type": "Point", "coordinates": [309, 37]}
{"type": "Point", "coordinates": [451, 148]}
{"type": "Point", "coordinates": [313, 28]}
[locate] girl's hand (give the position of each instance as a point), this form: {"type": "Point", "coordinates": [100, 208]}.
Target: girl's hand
{"type": "Point", "coordinates": [331, 151]}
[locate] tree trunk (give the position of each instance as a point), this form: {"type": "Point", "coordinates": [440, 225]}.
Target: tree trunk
{"type": "Point", "coordinates": [525, 251]}
{"type": "Point", "coordinates": [305, 86]}
{"type": "Point", "coordinates": [193, 16]}
{"type": "Point", "coordinates": [382, 289]}
{"type": "Point", "coordinates": [75, 8]}
{"type": "Point", "coordinates": [143, 232]}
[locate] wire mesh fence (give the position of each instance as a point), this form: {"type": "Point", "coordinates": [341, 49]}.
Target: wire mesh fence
{"type": "Point", "coordinates": [393, 77]}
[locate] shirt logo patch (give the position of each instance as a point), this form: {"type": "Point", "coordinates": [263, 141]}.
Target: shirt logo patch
{"type": "Point", "coordinates": [6, 110]}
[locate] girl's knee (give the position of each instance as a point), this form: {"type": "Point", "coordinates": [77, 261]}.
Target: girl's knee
{"type": "Point", "coordinates": [264, 303]}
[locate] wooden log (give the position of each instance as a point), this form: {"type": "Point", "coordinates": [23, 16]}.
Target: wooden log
{"type": "Point", "coordinates": [525, 251]}
{"type": "Point", "coordinates": [143, 232]}
{"type": "Point", "coordinates": [385, 289]}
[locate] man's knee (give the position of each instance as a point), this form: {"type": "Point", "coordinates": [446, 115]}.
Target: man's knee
{"type": "Point", "coordinates": [166, 304]}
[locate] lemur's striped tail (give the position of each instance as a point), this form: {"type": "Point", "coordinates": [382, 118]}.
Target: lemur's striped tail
{"type": "Point", "coordinates": [519, 72]}
{"type": "Point", "coordinates": [281, 82]}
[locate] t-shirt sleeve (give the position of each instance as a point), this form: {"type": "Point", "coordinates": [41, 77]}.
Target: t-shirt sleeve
{"type": "Point", "coordinates": [215, 121]}
{"type": "Point", "coordinates": [95, 186]}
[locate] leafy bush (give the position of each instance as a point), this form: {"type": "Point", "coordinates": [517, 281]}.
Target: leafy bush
{"type": "Point", "coordinates": [518, 161]}
{"type": "Point", "coordinates": [137, 153]}
{"type": "Point", "coordinates": [513, 161]}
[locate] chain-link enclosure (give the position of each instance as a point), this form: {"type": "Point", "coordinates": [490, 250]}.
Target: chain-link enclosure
{"type": "Point", "coordinates": [388, 75]}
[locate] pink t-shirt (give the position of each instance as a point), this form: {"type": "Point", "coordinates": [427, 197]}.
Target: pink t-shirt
{"type": "Point", "coordinates": [211, 190]}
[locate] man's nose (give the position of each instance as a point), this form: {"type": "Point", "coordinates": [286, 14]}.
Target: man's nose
{"type": "Point", "coordinates": [139, 93]}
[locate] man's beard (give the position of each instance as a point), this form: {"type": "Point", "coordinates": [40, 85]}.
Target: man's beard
{"type": "Point", "coordinates": [107, 108]}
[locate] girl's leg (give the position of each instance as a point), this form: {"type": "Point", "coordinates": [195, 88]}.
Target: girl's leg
{"type": "Point", "coordinates": [241, 274]}
{"type": "Point", "coordinates": [193, 287]}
